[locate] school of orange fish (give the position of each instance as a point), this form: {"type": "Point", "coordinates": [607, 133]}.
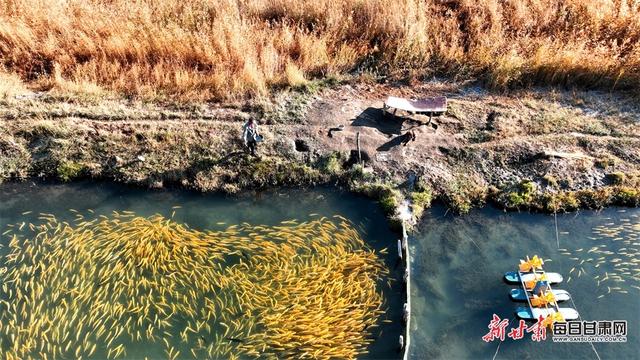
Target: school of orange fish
{"type": "Point", "coordinates": [123, 286]}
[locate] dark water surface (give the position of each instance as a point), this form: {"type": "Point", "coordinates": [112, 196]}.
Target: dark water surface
{"type": "Point", "coordinates": [208, 211]}
{"type": "Point", "coordinates": [457, 269]}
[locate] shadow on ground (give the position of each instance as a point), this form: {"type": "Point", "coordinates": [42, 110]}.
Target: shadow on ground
{"type": "Point", "coordinates": [390, 125]}
{"type": "Point", "coordinates": [375, 118]}
{"type": "Point", "coordinates": [396, 141]}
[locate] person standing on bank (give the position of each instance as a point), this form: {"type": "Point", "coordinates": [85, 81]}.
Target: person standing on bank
{"type": "Point", "coordinates": [250, 135]}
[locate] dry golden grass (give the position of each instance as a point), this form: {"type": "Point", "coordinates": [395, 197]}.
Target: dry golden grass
{"type": "Point", "coordinates": [10, 86]}
{"type": "Point", "coordinates": [204, 49]}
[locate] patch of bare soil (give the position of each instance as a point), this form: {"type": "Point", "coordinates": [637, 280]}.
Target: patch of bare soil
{"type": "Point", "coordinates": [576, 138]}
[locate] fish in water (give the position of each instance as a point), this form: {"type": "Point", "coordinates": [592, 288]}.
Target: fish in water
{"type": "Point", "coordinates": [98, 282]}
{"type": "Point", "coordinates": [616, 250]}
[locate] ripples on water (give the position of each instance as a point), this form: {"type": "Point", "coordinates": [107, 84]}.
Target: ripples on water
{"type": "Point", "coordinates": [457, 269]}
{"type": "Point", "coordinates": [155, 265]}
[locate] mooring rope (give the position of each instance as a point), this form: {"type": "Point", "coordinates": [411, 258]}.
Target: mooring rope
{"type": "Point", "coordinates": [580, 318]}
{"type": "Point", "coordinates": [474, 243]}
{"type": "Point", "coordinates": [555, 218]}
{"type": "Point", "coordinates": [500, 343]}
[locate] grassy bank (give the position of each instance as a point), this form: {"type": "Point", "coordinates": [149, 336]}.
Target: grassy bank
{"type": "Point", "coordinates": [518, 197]}
{"type": "Point", "coordinates": [203, 50]}
{"type": "Point", "coordinates": [540, 150]}
{"type": "Point", "coordinates": [157, 155]}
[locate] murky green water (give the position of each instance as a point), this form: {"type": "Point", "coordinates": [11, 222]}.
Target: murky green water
{"type": "Point", "coordinates": [209, 212]}
{"type": "Point", "coordinates": [457, 269]}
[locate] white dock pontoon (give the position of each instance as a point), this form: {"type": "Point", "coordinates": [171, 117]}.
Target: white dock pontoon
{"type": "Point", "coordinates": [529, 313]}
{"type": "Point", "coordinates": [513, 277]}
{"type": "Point", "coordinates": [521, 295]}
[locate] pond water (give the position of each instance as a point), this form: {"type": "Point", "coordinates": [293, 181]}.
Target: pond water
{"type": "Point", "coordinates": [21, 203]}
{"type": "Point", "coordinates": [457, 269]}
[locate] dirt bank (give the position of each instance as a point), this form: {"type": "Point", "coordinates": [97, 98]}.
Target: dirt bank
{"type": "Point", "coordinates": [543, 149]}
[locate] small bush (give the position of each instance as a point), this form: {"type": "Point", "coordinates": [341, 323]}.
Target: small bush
{"type": "Point", "coordinates": [421, 186]}
{"type": "Point", "coordinates": [389, 203]}
{"type": "Point", "coordinates": [519, 195]}
{"type": "Point", "coordinates": [562, 201]}
{"type": "Point", "coordinates": [569, 201]}
{"type": "Point", "coordinates": [388, 197]}
{"type": "Point", "coordinates": [515, 199]}
{"type": "Point", "coordinates": [420, 200]}
{"type": "Point", "coordinates": [358, 173]}
{"type": "Point", "coordinates": [462, 193]}
{"type": "Point", "coordinates": [10, 86]}
{"type": "Point", "coordinates": [594, 199]}
{"type": "Point", "coordinates": [527, 187]}
{"type": "Point", "coordinates": [626, 196]}
{"type": "Point", "coordinates": [331, 164]}
{"type": "Point", "coordinates": [294, 76]}
{"type": "Point", "coordinates": [616, 178]}
{"type": "Point", "coordinates": [69, 170]}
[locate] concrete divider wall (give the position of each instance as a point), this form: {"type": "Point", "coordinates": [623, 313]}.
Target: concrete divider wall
{"type": "Point", "coordinates": [404, 248]}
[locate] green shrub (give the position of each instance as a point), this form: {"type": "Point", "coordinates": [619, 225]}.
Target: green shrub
{"type": "Point", "coordinates": [389, 203]}
{"type": "Point", "coordinates": [515, 199]}
{"type": "Point", "coordinates": [69, 170]}
{"type": "Point", "coordinates": [358, 173]}
{"type": "Point", "coordinates": [527, 187]}
{"type": "Point", "coordinates": [462, 193]}
{"type": "Point", "coordinates": [567, 201]}
{"type": "Point", "coordinates": [557, 202]}
{"type": "Point", "coordinates": [331, 164]}
{"type": "Point", "coordinates": [421, 186]}
{"type": "Point", "coordinates": [521, 194]}
{"type": "Point", "coordinates": [388, 197]}
{"type": "Point", "coordinates": [460, 203]}
{"type": "Point", "coordinates": [420, 200]}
